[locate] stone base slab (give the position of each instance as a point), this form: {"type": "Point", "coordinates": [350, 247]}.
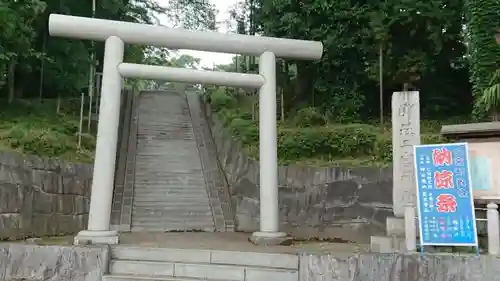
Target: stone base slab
{"type": "Point", "coordinates": [270, 238]}
{"type": "Point", "coordinates": [86, 237]}
{"type": "Point", "coordinates": [120, 227]}
{"type": "Point", "coordinates": [387, 244]}
{"type": "Point", "coordinates": [395, 226]}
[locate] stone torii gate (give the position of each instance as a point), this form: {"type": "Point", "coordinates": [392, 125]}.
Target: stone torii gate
{"type": "Point", "coordinates": [116, 34]}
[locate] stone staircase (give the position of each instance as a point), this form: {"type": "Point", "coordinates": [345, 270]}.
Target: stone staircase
{"type": "Point", "coordinates": [168, 177]}
{"type": "Point", "coordinates": [169, 190]}
{"type": "Point", "coordinates": [166, 264]}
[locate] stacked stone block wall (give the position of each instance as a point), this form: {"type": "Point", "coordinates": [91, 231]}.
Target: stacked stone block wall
{"type": "Point", "coordinates": [42, 197]}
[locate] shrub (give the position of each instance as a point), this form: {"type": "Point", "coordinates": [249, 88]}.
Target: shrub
{"type": "Point", "coordinates": [382, 150]}
{"type": "Point", "coordinates": [245, 130]}
{"type": "Point", "coordinates": [220, 99]}
{"type": "Point", "coordinates": [228, 115]}
{"type": "Point", "coordinates": [433, 139]}
{"type": "Point", "coordinates": [327, 142]}
{"type": "Point", "coordinates": [37, 141]}
{"type": "Point", "coordinates": [309, 117]}
{"type": "Point", "coordinates": [383, 145]}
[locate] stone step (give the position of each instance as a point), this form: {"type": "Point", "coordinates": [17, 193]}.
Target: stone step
{"type": "Point", "coordinates": [179, 199]}
{"type": "Point", "coordinates": [182, 169]}
{"type": "Point", "coordinates": [165, 157]}
{"type": "Point", "coordinates": [170, 206]}
{"type": "Point", "coordinates": [173, 218]}
{"type": "Point", "coordinates": [165, 180]}
{"type": "Point", "coordinates": [172, 197]}
{"type": "Point", "coordinates": [159, 175]}
{"type": "Point", "coordinates": [166, 184]}
{"type": "Point", "coordinates": [195, 205]}
{"type": "Point", "coordinates": [178, 166]}
{"type": "Point", "coordinates": [128, 277]}
{"type": "Point", "coordinates": [142, 219]}
{"type": "Point", "coordinates": [202, 270]}
{"type": "Point", "coordinates": [152, 181]}
{"type": "Point", "coordinates": [167, 197]}
{"type": "Point", "coordinates": [175, 167]}
{"type": "Point", "coordinates": [186, 221]}
{"type": "Point", "coordinates": [168, 211]}
{"type": "Point", "coordinates": [172, 227]}
{"type": "Point", "coordinates": [270, 260]}
{"type": "Point", "coordinates": [146, 187]}
{"type": "Point", "coordinates": [174, 186]}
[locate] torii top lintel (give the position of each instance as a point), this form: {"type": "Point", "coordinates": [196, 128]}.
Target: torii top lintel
{"type": "Point", "coordinates": [176, 38]}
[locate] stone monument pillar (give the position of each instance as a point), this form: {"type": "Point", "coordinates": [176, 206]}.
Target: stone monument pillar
{"type": "Point", "coordinates": [405, 134]}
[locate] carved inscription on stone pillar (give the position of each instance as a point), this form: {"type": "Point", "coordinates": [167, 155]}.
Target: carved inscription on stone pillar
{"type": "Point", "coordinates": [405, 134]}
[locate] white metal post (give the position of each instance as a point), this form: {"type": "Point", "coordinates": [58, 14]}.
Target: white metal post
{"type": "Point", "coordinates": [269, 205]}
{"type": "Point", "coordinates": [105, 156]}
{"type": "Point", "coordinates": [493, 229]}
{"type": "Point", "coordinates": [410, 228]}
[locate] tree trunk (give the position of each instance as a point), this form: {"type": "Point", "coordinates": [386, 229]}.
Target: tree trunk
{"type": "Point", "coordinates": [303, 84]}
{"type": "Point", "coordinates": [11, 80]}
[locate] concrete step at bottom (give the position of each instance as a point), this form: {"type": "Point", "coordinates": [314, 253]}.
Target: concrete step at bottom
{"type": "Point", "coordinates": [127, 277]}
{"type": "Point", "coordinates": [177, 255]}
{"type": "Point", "coordinates": [207, 271]}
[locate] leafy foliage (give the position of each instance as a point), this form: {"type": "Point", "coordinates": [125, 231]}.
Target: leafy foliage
{"type": "Point", "coordinates": [330, 105]}
{"type": "Point", "coordinates": [489, 100]}
{"type": "Point", "coordinates": [483, 24]}
{"type": "Point", "coordinates": [309, 117]}
{"type": "Point", "coordinates": [422, 47]}
{"type": "Point", "coordinates": [34, 64]}
{"type": "Point", "coordinates": [329, 143]}
{"type": "Point", "coordinates": [32, 128]}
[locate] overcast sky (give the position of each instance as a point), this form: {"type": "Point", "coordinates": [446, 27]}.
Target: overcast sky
{"type": "Point", "coordinates": [208, 59]}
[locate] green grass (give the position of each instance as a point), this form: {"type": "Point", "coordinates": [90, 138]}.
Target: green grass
{"type": "Point", "coordinates": [34, 128]}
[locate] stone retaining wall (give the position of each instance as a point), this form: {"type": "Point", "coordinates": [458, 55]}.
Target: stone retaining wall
{"type": "Point", "coordinates": [399, 267]}
{"type": "Point", "coordinates": [54, 263]}
{"type": "Point", "coordinates": [350, 204]}
{"type": "Point", "coordinates": [42, 197]}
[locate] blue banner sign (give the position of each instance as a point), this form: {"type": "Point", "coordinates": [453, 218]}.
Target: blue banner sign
{"type": "Point", "coordinates": [444, 195]}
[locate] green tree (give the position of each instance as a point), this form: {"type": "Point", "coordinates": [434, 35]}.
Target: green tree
{"type": "Point", "coordinates": [32, 61]}
{"type": "Point", "coordinates": [483, 23]}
